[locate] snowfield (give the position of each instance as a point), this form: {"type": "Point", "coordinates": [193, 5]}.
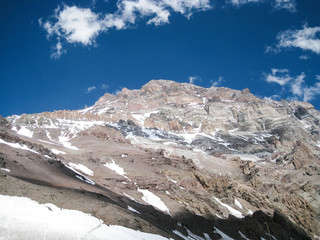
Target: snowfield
{"type": "Point", "coordinates": [23, 218]}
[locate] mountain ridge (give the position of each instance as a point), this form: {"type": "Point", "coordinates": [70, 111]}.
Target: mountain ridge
{"type": "Point", "coordinates": [212, 155]}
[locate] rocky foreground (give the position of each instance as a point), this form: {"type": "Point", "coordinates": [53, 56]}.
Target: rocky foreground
{"type": "Point", "coordinates": [176, 160]}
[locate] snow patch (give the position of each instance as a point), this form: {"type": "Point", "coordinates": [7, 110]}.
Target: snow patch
{"type": "Point", "coordinates": [223, 235]}
{"type": "Point", "coordinates": [25, 132]}
{"type": "Point", "coordinates": [243, 236]}
{"type": "Point", "coordinates": [238, 204]}
{"type": "Point", "coordinates": [80, 176]}
{"type": "Point", "coordinates": [64, 141]}
{"type": "Point", "coordinates": [81, 168]}
{"type": "Point", "coordinates": [133, 210]}
{"type": "Point", "coordinates": [5, 169]}
{"type": "Point", "coordinates": [115, 167]}
{"type": "Point", "coordinates": [23, 218]}
{"type": "Point", "coordinates": [232, 211]}
{"type": "Point", "coordinates": [153, 200]}
{"type": "Point", "coordinates": [18, 146]}
{"type": "Point", "coordinates": [56, 151]}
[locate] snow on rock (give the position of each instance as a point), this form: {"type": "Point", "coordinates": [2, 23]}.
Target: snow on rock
{"type": "Point", "coordinates": [23, 218]}
{"type": "Point", "coordinates": [232, 211]}
{"type": "Point", "coordinates": [153, 200]}
{"type": "Point", "coordinates": [56, 151]}
{"type": "Point", "coordinates": [81, 168]}
{"type": "Point", "coordinates": [115, 167]}
{"type": "Point", "coordinates": [18, 146]}
{"type": "Point", "coordinates": [25, 132]}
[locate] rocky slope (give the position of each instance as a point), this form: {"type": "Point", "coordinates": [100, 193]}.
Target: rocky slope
{"type": "Point", "coordinates": [174, 159]}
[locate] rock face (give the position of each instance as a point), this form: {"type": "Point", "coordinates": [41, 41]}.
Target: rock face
{"type": "Point", "coordinates": [176, 160]}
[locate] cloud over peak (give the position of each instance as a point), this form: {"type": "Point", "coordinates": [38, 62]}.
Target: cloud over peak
{"type": "Point", "coordinates": [296, 85]}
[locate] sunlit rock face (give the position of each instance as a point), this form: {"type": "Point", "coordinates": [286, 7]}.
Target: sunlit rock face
{"type": "Point", "coordinates": [172, 159]}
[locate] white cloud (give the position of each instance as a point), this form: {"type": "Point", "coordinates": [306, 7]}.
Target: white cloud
{"type": "Point", "coordinates": [218, 82]}
{"type": "Point", "coordinates": [82, 26]}
{"type": "Point", "coordinates": [295, 85]}
{"type": "Point", "coordinates": [280, 76]}
{"type": "Point", "coordinates": [289, 5]}
{"type": "Point", "coordinates": [192, 79]}
{"type": "Point", "coordinates": [241, 2]}
{"type": "Point", "coordinates": [306, 38]}
{"type": "Point", "coordinates": [91, 89]}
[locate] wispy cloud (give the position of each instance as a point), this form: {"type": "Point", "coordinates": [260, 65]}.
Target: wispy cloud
{"type": "Point", "coordinates": [273, 97]}
{"type": "Point", "coordinates": [289, 5]}
{"type": "Point", "coordinates": [280, 76]}
{"type": "Point", "coordinates": [192, 79]}
{"type": "Point", "coordinates": [91, 89]}
{"type": "Point", "coordinates": [217, 82]}
{"type": "Point", "coordinates": [75, 25]}
{"type": "Point", "coordinates": [306, 39]}
{"type": "Point", "coordinates": [304, 57]}
{"type": "Point", "coordinates": [296, 85]}
{"type": "Point", "coordinates": [104, 86]}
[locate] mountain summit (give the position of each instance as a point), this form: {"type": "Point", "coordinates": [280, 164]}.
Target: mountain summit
{"type": "Point", "coordinates": [172, 160]}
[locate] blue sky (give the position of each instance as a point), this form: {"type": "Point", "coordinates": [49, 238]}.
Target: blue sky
{"type": "Point", "coordinates": [58, 55]}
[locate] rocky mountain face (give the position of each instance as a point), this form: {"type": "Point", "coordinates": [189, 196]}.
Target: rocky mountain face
{"type": "Point", "coordinates": [176, 160]}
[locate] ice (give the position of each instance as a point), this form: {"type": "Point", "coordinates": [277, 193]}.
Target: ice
{"type": "Point", "coordinates": [23, 218]}
{"type": "Point", "coordinates": [115, 167]}
{"type": "Point", "coordinates": [55, 151]}
{"type": "Point", "coordinates": [81, 168]}
{"type": "Point", "coordinates": [270, 235]}
{"type": "Point", "coordinates": [243, 236]}
{"type": "Point", "coordinates": [191, 236]}
{"type": "Point", "coordinates": [238, 204]}
{"type": "Point", "coordinates": [206, 236]}
{"type": "Point", "coordinates": [232, 211]}
{"type": "Point", "coordinates": [5, 169]}
{"type": "Point", "coordinates": [18, 146]}
{"type": "Point", "coordinates": [153, 200]}
{"type": "Point", "coordinates": [133, 210]}
{"type": "Point", "coordinates": [223, 235]}
{"type": "Point", "coordinates": [25, 132]}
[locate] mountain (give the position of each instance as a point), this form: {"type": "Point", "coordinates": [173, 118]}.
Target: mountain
{"type": "Point", "coordinates": [172, 160]}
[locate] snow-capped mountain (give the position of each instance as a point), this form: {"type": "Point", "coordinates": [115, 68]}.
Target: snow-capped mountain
{"type": "Point", "coordinates": [169, 161]}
